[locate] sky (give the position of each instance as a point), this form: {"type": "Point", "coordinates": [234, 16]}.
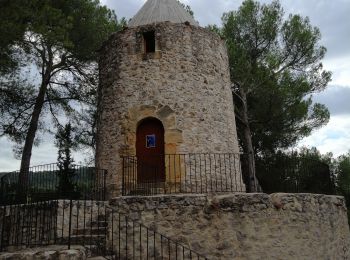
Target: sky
{"type": "Point", "coordinates": [330, 16]}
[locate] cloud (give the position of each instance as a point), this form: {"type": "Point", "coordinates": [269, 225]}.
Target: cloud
{"type": "Point", "coordinates": [332, 19]}
{"type": "Point", "coordinates": [337, 99]}
{"type": "Point", "coordinates": [340, 69]}
{"type": "Point", "coordinates": [124, 8]}
{"type": "Point", "coordinates": [334, 137]}
{"type": "Point", "coordinates": [44, 154]}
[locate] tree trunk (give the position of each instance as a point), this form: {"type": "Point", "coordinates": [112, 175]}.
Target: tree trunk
{"type": "Point", "coordinates": [253, 185]}
{"type": "Point", "coordinates": [33, 126]}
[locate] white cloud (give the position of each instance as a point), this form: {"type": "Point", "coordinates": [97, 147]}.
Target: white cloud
{"type": "Point", "coordinates": [336, 98]}
{"type": "Point", "coordinates": [44, 154]}
{"type": "Point", "coordinates": [334, 137]}
{"type": "Point", "coordinates": [340, 69]}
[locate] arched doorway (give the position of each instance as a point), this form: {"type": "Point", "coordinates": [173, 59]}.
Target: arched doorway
{"type": "Point", "coordinates": [150, 151]}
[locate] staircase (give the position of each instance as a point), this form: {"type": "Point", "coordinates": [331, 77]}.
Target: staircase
{"type": "Point", "coordinates": [93, 225]}
{"type": "Point", "coordinates": [92, 236]}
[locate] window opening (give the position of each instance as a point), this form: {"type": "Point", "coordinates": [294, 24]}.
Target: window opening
{"type": "Point", "coordinates": [149, 41]}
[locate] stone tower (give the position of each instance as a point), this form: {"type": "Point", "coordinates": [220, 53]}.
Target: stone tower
{"type": "Point", "coordinates": [164, 86]}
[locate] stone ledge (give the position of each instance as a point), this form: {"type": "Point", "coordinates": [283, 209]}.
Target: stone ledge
{"type": "Point", "coordinates": [54, 252]}
{"type": "Point", "coordinates": [247, 226]}
{"type": "Point", "coordinates": [241, 202]}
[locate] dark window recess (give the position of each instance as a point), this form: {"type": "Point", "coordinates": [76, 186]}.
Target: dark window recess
{"type": "Point", "coordinates": [149, 41]}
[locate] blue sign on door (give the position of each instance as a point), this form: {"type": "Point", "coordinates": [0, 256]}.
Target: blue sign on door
{"type": "Point", "coordinates": [150, 141]}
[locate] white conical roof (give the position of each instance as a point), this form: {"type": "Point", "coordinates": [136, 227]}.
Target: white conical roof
{"type": "Point", "coordinates": [155, 11]}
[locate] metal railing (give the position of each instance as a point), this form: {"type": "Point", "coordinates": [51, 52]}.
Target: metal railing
{"type": "Point", "coordinates": [52, 214]}
{"type": "Point", "coordinates": [102, 230]}
{"type": "Point", "coordinates": [28, 225]}
{"type": "Point", "coordinates": [181, 173]}
{"type": "Point", "coordinates": [50, 182]}
{"type": "Point", "coordinates": [215, 173]}
{"type": "Point", "coordinates": [56, 222]}
{"type": "Point", "coordinates": [290, 174]}
{"type": "Point", "coordinates": [129, 239]}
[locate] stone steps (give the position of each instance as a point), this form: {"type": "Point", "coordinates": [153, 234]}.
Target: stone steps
{"type": "Point", "coordinates": [100, 230]}
{"type": "Point", "coordinates": [92, 236]}
{"type": "Point", "coordinates": [98, 223]}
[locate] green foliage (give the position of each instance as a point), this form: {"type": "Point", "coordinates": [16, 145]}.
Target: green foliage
{"type": "Point", "coordinates": [57, 42]}
{"type": "Point", "coordinates": [65, 144]}
{"type": "Point", "coordinates": [187, 8]}
{"type": "Point", "coordinates": [342, 173]}
{"type": "Point", "coordinates": [14, 105]}
{"type": "Point", "coordinates": [214, 28]}
{"type": "Point", "coordinates": [306, 171]}
{"type": "Point", "coordinates": [314, 154]}
{"type": "Point", "coordinates": [49, 183]}
{"type": "Point", "coordinates": [76, 27]}
{"type": "Point", "coordinates": [276, 65]}
{"type": "Point", "coordinates": [12, 27]}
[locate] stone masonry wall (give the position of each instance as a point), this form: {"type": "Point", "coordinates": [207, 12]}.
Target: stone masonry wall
{"type": "Point", "coordinates": [248, 226]}
{"type": "Point", "coordinates": [185, 84]}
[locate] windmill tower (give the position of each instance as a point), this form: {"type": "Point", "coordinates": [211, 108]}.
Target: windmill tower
{"type": "Point", "coordinates": [165, 98]}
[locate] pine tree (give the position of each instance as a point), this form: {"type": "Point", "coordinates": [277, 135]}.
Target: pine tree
{"type": "Point", "coordinates": [59, 40]}
{"type": "Point", "coordinates": [65, 144]}
{"type": "Point", "coordinates": [275, 66]}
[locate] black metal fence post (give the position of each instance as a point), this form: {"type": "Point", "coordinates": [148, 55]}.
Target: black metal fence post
{"type": "Point", "coordinates": [2, 191]}
{"type": "Point", "coordinates": [70, 222]}
{"type": "Point", "coordinates": [123, 175]}
{"type": "Point", "coordinates": [104, 188]}
{"type": "Point", "coordinates": [132, 240]}
{"type": "Point", "coordinates": [3, 208]}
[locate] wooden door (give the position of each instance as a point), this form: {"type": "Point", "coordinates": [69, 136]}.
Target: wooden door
{"type": "Point", "coordinates": [150, 151]}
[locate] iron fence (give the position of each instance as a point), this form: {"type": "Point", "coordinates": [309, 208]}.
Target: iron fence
{"type": "Point", "coordinates": [50, 182]}
{"type": "Point", "coordinates": [215, 173]}
{"type": "Point", "coordinates": [92, 224]}
{"type": "Point", "coordinates": [293, 174]}
{"type": "Point", "coordinates": [28, 225]}
{"type": "Point", "coordinates": [181, 173]}
{"type": "Point", "coordinates": [129, 239]}
{"type": "Point", "coordinates": [56, 222]}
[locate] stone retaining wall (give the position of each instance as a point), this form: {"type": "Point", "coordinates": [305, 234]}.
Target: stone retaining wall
{"type": "Point", "coordinates": [248, 226]}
